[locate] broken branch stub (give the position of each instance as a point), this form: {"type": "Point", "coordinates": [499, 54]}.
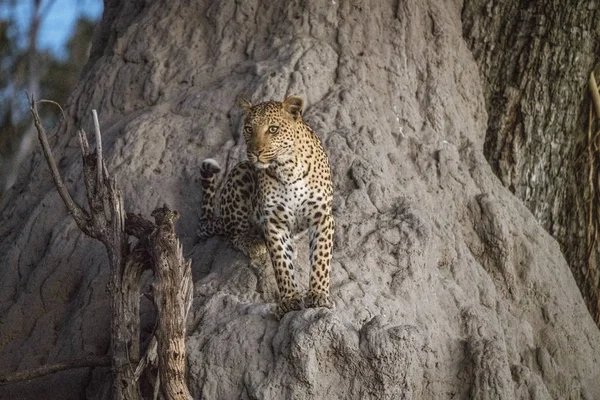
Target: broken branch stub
{"type": "Point", "coordinates": [172, 296]}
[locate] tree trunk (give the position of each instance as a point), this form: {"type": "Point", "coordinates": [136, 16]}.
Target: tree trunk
{"type": "Point", "coordinates": [536, 59]}
{"type": "Point", "coordinates": [172, 297]}
{"type": "Point", "coordinates": [125, 326]}
{"type": "Point", "coordinates": [158, 246]}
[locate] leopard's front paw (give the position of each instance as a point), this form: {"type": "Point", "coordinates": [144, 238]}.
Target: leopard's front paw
{"type": "Point", "coordinates": [290, 303]}
{"type": "Point", "coordinates": [317, 299]}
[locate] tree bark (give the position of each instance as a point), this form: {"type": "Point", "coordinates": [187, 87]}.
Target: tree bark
{"type": "Point", "coordinates": [105, 221]}
{"type": "Point", "coordinates": [173, 298]}
{"type": "Point", "coordinates": [536, 59]}
{"type": "Point", "coordinates": [158, 245]}
{"type": "Point", "coordinates": [125, 327]}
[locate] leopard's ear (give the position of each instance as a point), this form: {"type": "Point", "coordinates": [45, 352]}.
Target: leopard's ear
{"type": "Point", "coordinates": [294, 105]}
{"type": "Point", "coordinates": [244, 104]}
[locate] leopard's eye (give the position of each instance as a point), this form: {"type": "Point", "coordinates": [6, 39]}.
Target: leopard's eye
{"type": "Point", "coordinates": [273, 129]}
{"type": "Point", "coordinates": [248, 129]}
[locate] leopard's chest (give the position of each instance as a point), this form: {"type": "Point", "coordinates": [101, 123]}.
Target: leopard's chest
{"type": "Point", "coordinates": [283, 198]}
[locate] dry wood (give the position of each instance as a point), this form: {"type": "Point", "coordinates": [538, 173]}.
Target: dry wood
{"type": "Point", "coordinates": [105, 221]}
{"type": "Point", "coordinates": [158, 247]}
{"type": "Point", "coordinates": [595, 94]}
{"type": "Point", "coordinates": [87, 362]}
{"type": "Point", "coordinates": [172, 297]}
{"type": "Point", "coordinates": [80, 216]}
{"type": "Point", "coordinates": [98, 146]}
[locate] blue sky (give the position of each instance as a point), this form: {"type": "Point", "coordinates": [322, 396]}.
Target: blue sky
{"type": "Point", "coordinates": [57, 24]}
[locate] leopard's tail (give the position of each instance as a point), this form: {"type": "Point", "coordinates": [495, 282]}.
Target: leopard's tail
{"type": "Point", "coordinates": [209, 225]}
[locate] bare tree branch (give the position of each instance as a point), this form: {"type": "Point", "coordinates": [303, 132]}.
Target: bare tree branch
{"type": "Point", "coordinates": [83, 142]}
{"type": "Point", "coordinates": [87, 362]}
{"type": "Point", "coordinates": [56, 104]}
{"type": "Point", "coordinates": [98, 147]}
{"type": "Point", "coordinates": [80, 215]}
{"type": "Point", "coordinates": [64, 117]}
{"type": "Point", "coordinates": [149, 359]}
{"type": "Point", "coordinates": [138, 226]}
{"type": "Point", "coordinates": [595, 94]}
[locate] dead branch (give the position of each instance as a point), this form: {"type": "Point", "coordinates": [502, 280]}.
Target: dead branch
{"type": "Point", "coordinates": [99, 163]}
{"type": "Point", "coordinates": [138, 226]}
{"type": "Point", "coordinates": [157, 246]}
{"type": "Point", "coordinates": [105, 222]}
{"type": "Point", "coordinates": [150, 358]}
{"type": "Point", "coordinates": [595, 94]}
{"type": "Point", "coordinates": [87, 362]}
{"type": "Point", "coordinates": [172, 297]}
{"type": "Point", "coordinates": [81, 217]}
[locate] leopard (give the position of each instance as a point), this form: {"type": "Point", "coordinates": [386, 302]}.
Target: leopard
{"type": "Point", "coordinates": [284, 187]}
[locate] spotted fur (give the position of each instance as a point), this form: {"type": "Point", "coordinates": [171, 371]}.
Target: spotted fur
{"type": "Point", "coordinates": [283, 188]}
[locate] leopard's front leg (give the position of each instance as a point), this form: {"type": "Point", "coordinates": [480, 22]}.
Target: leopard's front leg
{"type": "Point", "coordinates": [279, 242]}
{"type": "Point", "coordinates": [321, 250]}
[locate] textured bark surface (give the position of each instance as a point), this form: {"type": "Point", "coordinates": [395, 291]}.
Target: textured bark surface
{"type": "Point", "coordinates": [536, 59]}
{"type": "Point", "coordinates": [444, 284]}
{"type": "Point", "coordinates": [173, 298]}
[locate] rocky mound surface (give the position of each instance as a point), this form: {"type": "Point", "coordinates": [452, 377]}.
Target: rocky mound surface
{"type": "Point", "coordinates": [444, 284]}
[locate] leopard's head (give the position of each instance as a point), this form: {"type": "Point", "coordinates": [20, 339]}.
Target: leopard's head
{"type": "Point", "coordinates": [270, 129]}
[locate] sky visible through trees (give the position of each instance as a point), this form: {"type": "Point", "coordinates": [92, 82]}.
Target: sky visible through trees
{"type": "Point", "coordinates": [43, 47]}
{"type": "Point", "coordinates": [57, 24]}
